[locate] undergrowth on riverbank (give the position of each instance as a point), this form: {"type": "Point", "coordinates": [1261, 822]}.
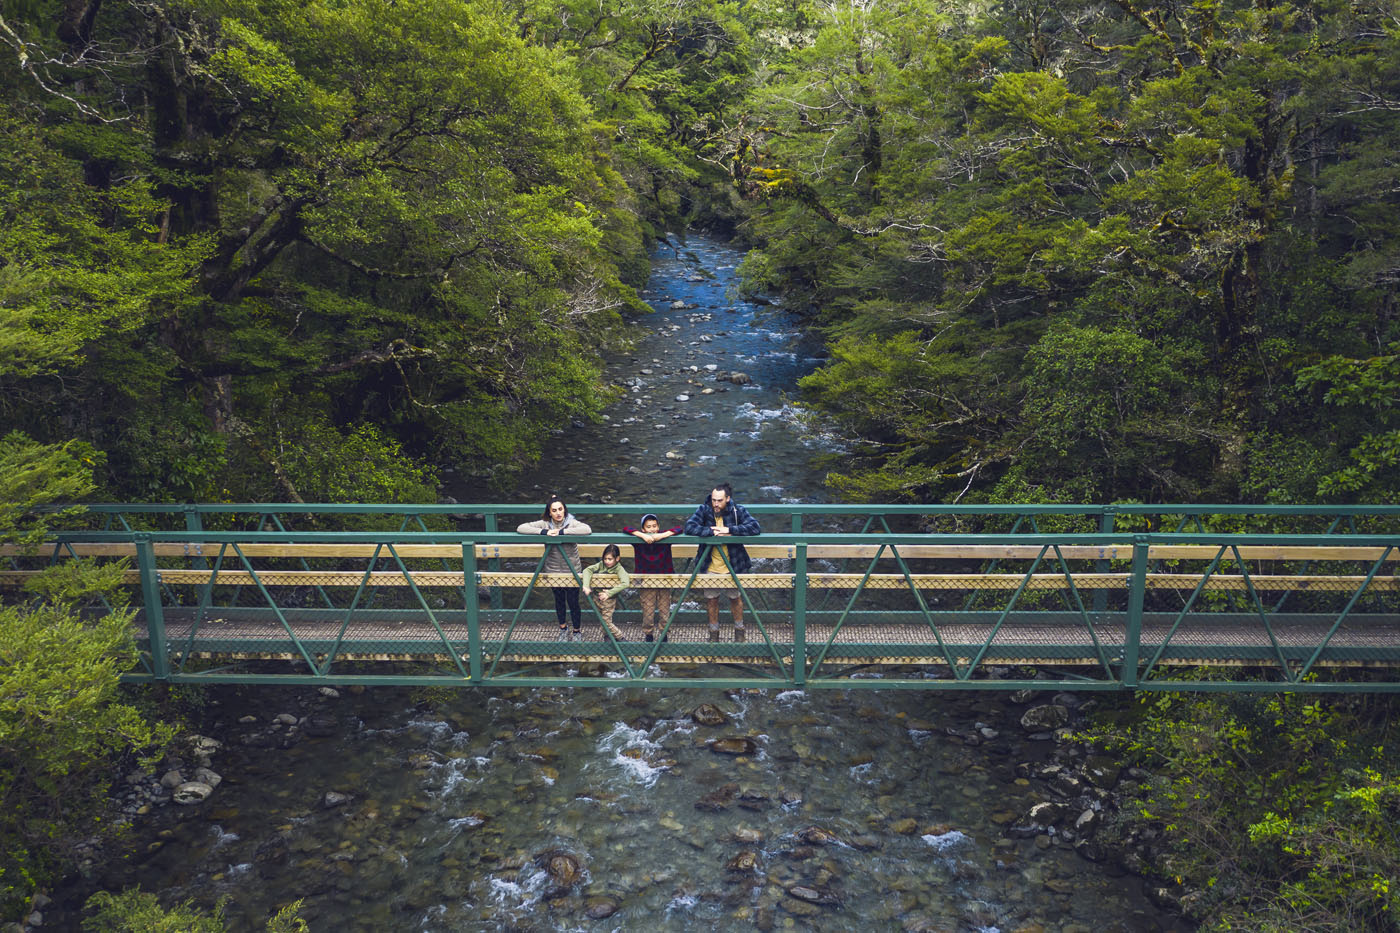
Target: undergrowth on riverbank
{"type": "Point", "coordinates": [137, 911]}
{"type": "Point", "coordinates": [1280, 812]}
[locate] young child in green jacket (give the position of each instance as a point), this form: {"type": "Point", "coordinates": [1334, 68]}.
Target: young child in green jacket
{"type": "Point", "coordinates": [607, 601]}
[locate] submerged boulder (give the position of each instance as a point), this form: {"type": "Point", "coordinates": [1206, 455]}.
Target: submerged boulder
{"type": "Point", "coordinates": [734, 745]}
{"type": "Point", "coordinates": [707, 714]}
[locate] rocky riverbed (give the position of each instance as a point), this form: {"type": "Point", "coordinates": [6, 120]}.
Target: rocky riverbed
{"type": "Point", "coordinates": [617, 810]}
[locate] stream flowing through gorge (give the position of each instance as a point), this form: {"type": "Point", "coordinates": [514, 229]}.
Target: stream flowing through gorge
{"type": "Point", "coordinates": [590, 809]}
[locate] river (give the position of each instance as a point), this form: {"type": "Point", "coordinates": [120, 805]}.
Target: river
{"type": "Point", "coordinates": [612, 810]}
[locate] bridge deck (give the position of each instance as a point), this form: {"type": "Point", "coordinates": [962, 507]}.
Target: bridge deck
{"type": "Point", "coordinates": [900, 638]}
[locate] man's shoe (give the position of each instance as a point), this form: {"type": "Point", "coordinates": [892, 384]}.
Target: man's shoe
{"type": "Point", "coordinates": [648, 637]}
{"type": "Point", "coordinates": [738, 633]}
{"type": "Point", "coordinates": [714, 634]}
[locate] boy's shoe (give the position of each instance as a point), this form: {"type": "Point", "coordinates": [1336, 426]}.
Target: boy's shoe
{"type": "Point", "coordinates": [648, 637]}
{"type": "Point", "coordinates": [738, 633]}
{"type": "Point", "coordinates": [714, 634]}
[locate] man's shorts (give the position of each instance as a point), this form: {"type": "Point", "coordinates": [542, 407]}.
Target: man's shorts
{"type": "Point", "coordinates": [717, 592]}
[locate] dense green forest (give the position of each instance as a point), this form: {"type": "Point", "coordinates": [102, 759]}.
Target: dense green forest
{"type": "Point", "coordinates": [1072, 251]}
{"type": "Point", "coordinates": [1064, 252]}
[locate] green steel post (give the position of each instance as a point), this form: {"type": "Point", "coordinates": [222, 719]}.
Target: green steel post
{"type": "Point", "coordinates": [473, 610]}
{"type": "Point", "coordinates": [1105, 527]}
{"type": "Point", "coordinates": [1137, 591]}
{"type": "Point", "coordinates": [494, 564]}
{"type": "Point", "coordinates": [155, 614]}
{"type": "Point", "coordinates": [797, 523]}
{"type": "Point", "coordinates": [799, 616]}
{"type": "Point", "coordinates": [195, 522]}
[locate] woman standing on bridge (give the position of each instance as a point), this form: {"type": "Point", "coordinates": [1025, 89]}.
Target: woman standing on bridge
{"type": "Point", "coordinates": [560, 558]}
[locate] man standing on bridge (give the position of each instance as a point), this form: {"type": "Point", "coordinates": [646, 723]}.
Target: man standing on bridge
{"type": "Point", "coordinates": [721, 516]}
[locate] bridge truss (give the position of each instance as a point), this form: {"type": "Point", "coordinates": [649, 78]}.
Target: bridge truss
{"type": "Point", "coordinates": [1220, 598]}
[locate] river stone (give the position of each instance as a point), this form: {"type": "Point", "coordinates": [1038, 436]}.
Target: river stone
{"type": "Point", "coordinates": [204, 745]}
{"type": "Point", "coordinates": [1047, 813]}
{"type": "Point", "coordinates": [1067, 784]}
{"type": "Point", "coordinates": [734, 745]}
{"type": "Point", "coordinates": [816, 836]}
{"type": "Point", "coordinates": [332, 799]}
{"type": "Point", "coordinates": [748, 836]}
{"type": "Point", "coordinates": [171, 780]}
{"type": "Point", "coordinates": [811, 894]}
{"type": "Point", "coordinates": [682, 397]}
{"type": "Point", "coordinates": [740, 379]}
{"type": "Point", "coordinates": [707, 714]}
{"type": "Point", "coordinates": [1045, 718]}
{"type": "Point", "coordinates": [744, 861]}
{"type": "Point", "coordinates": [601, 908]}
{"type": "Point", "coordinates": [1102, 771]}
{"type": "Point", "coordinates": [1089, 850]}
{"type": "Point", "coordinates": [718, 799]}
{"type": "Point", "coordinates": [905, 827]}
{"type": "Point", "coordinates": [561, 866]}
{"type": "Point", "coordinates": [921, 924]}
{"type": "Point", "coordinates": [1088, 822]}
{"type": "Point", "coordinates": [205, 776]}
{"type": "Point", "coordinates": [191, 792]}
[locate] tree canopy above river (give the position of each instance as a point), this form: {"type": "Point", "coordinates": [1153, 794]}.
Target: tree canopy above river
{"type": "Point", "coordinates": [1072, 251]}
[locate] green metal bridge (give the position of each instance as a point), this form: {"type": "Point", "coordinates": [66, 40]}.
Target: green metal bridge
{"type": "Point", "coordinates": [934, 597]}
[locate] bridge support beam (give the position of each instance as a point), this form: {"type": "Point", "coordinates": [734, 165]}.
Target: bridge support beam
{"type": "Point", "coordinates": [473, 607]}
{"type": "Point", "coordinates": [155, 611]}
{"type": "Point", "coordinates": [799, 616]}
{"type": "Point", "coordinates": [1137, 591]}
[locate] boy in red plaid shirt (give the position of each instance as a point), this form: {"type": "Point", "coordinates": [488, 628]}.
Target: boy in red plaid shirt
{"type": "Point", "coordinates": [652, 557]}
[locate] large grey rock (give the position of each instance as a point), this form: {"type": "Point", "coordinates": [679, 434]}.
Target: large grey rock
{"type": "Point", "coordinates": [1045, 718]}
{"type": "Point", "coordinates": [206, 776]}
{"type": "Point", "coordinates": [191, 792]}
{"type": "Point", "coordinates": [1102, 771]}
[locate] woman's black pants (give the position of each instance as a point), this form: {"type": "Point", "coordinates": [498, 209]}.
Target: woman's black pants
{"type": "Point", "coordinates": [566, 595]}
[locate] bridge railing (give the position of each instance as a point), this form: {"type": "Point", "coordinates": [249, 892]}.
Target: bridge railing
{"type": "Point", "coordinates": [945, 611]}
{"type": "Point", "coordinates": [792, 518]}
